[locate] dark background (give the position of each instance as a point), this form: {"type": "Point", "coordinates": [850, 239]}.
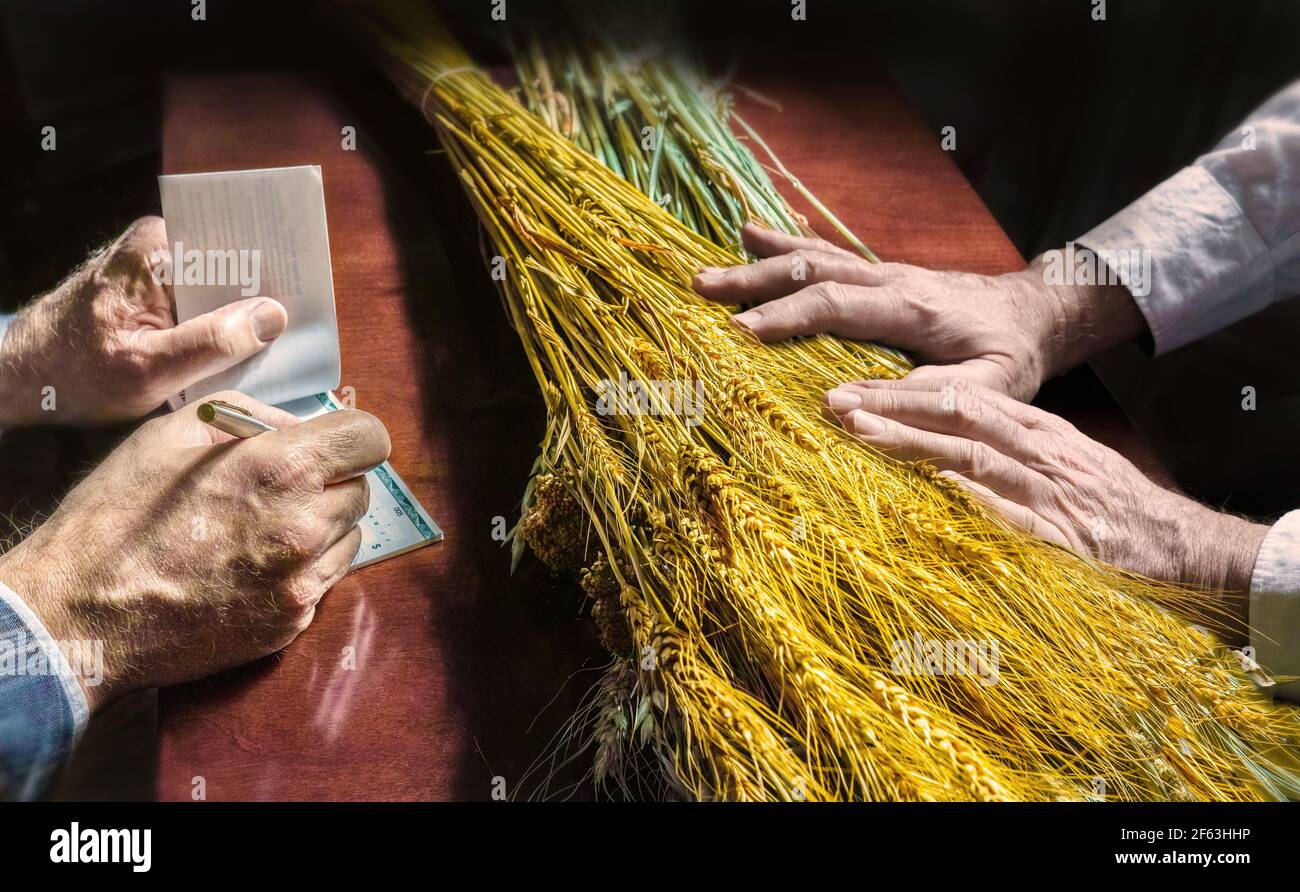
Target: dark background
{"type": "Point", "coordinates": [1061, 120]}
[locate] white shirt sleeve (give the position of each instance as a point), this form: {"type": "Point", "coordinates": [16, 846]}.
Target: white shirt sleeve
{"type": "Point", "coordinates": [1223, 235]}
{"type": "Point", "coordinates": [1223, 240]}
{"type": "Point", "coordinates": [1275, 605]}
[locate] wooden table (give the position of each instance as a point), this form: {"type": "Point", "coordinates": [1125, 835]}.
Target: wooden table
{"type": "Point", "coordinates": [463, 673]}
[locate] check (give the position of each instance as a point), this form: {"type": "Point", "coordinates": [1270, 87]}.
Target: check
{"type": "Point", "coordinates": [395, 522]}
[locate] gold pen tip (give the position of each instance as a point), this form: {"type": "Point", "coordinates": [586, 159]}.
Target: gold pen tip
{"type": "Point", "coordinates": [207, 412]}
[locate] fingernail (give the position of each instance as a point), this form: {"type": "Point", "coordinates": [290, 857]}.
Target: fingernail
{"type": "Point", "coordinates": [268, 320]}
{"type": "Point", "coordinates": [745, 322]}
{"type": "Point", "coordinates": [841, 400]}
{"type": "Point", "coordinates": [864, 423]}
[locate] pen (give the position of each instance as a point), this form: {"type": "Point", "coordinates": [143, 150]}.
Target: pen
{"type": "Point", "coordinates": [232, 419]}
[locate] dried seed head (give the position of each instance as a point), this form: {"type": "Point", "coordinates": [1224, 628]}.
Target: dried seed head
{"type": "Point", "coordinates": [555, 527]}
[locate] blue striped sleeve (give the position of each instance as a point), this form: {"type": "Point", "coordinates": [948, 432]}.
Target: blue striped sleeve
{"type": "Point", "coordinates": [42, 705]}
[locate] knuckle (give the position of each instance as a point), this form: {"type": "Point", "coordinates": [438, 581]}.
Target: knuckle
{"type": "Point", "coordinates": [132, 368]}
{"type": "Point", "coordinates": [894, 272]}
{"type": "Point", "coordinates": [1041, 491]}
{"type": "Point", "coordinates": [808, 261]}
{"type": "Point", "coordinates": [959, 385]}
{"type": "Point", "coordinates": [746, 276]}
{"type": "Point", "coordinates": [828, 300]}
{"type": "Point", "coordinates": [227, 338]}
{"type": "Point", "coordinates": [290, 540]}
{"type": "Point", "coordinates": [980, 458]}
{"type": "Point", "coordinates": [360, 499]}
{"type": "Point", "coordinates": [133, 253]}
{"type": "Point", "coordinates": [380, 433]}
{"type": "Point", "coordinates": [362, 429]}
{"type": "Point", "coordinates": [297, 596]}
{"type": "Point", "coordinates": [969, 414]}
{"type": "Point", "coordinates": [1036, 419]}
{"type": "Point", "coordinates": [292, 624]}
{"type": "Point", "coordinates": [151, 228]}
{"type": "Point", "coordinates": [981, 391]}
{"type": "Point", "coordinates": [343, 438]}
{"type": "Point", "coordinates": [291, 470]}
{"type": "Point", "coordinates": [967, 395]}
{"type": "Point", "coordinates": [887, 403]}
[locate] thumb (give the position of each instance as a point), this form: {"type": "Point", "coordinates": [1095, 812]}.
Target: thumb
{"type": "Point", "coordinates": [215, 341]}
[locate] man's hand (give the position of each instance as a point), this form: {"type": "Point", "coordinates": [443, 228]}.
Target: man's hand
{"type": "Point", "coordinates": [1009, 333]}
{"type": "Point", "coordinates": [187, 552]}
{"type": "Point", "coordinates": [107, 343]}
{"type": "Point", "coordinates": [1045, 477]}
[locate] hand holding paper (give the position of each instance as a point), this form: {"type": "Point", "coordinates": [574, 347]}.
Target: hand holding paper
{"type": "Point", "coordinates": [241, 232]}
{"type": "Point", "coordinates": [103, 346]}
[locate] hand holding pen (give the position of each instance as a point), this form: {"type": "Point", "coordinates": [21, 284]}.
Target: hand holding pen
{"type": "Point", "coordinates": [226, 546]}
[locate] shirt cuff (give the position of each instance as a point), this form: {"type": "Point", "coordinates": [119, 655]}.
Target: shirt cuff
{"type": "Point", "coordinates": [1189, 256]}
{"type": "Point", "coordinates": [58, 663]}
{"type": "Point", "coordinates": [1275, 605]}
{"type": "Point", "coordinates": [42, 706]}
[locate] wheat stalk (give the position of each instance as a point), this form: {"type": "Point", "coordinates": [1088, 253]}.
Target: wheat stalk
{"type": "Point", "coordinates": [764, 658]}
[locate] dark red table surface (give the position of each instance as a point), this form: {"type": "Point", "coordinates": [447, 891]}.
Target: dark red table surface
{"type": "Point", "coordinates": [463, 672]}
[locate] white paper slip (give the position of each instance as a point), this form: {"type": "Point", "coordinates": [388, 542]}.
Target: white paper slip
{"type": "Point", "coordinates": [395, 523]}
{"type": "Point", "coordinates": [264, 232]}
{"type": "Point", "coordinates": [246, 233]}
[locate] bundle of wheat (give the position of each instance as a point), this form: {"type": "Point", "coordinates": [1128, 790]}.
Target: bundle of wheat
{"type": "Point", "coordinates": [780, 598]}
{"type": "Point", "coordinates": [653, 118]}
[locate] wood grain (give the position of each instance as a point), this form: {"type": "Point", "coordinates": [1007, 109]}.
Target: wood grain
{"type": "Point", "coordinates": [455, 659]}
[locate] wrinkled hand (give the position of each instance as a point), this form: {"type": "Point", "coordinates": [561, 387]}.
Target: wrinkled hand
{"type": "Point", "coordinates": [1008, 333]}
{"type": "Point", "coordinates": [1043, 475]}
{"type": "Point", "coordinates": [187, 552]}
{"type": "Point", "coordinates": [107, 344]}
